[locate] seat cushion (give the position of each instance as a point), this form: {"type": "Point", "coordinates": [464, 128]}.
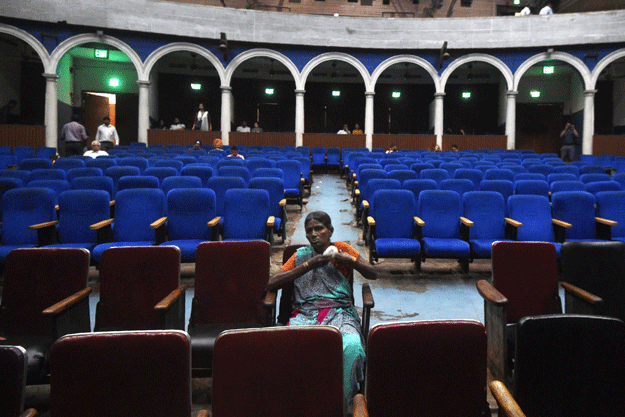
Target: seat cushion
{"type": "Point", "coordinates": [187, 248]}
{"type": "Point", "coordinates": [85, 245]}
{"type": "Point", "coordinates": [97, 251]}
{"type": "Point", "coordinates": [397, 248]}
{"type": "Point", "coordinates": [37, 354]}
{"type": "Point", "coordinates": [482, 248]}
{"type": "Point", "coordinates": [445, 248]}
{"type": "Point", "coordinates": [203, 341]}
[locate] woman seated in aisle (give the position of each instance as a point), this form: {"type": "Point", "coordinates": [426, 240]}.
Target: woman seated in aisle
{"type": "Point", "coordinates": [323, 294]}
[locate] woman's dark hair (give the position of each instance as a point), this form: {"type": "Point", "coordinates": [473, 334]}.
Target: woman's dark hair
{"type": "Point", "coordinates": [321, 216]}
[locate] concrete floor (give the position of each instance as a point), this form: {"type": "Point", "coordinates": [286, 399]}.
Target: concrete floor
{"type": "Point", "coordinates": [439, 291]}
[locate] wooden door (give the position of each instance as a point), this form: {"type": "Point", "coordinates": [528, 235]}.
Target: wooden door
{"type": "Point", "coordinates": [538, 127]}
{"type": "Point", "coordinates": [94, 108]}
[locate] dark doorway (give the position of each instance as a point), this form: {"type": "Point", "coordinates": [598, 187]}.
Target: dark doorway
{"type": "Point", "coordinates": [127, 116]}
{"type": "Point", "coordinates": [538, 127]}
{"type": "Point", "coordinates": [32, 96]}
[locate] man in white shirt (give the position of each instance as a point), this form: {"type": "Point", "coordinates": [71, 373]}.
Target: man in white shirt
{"type": "Point", "coordinates": [244, 127]}
{"type": "Point", "coordinates": [344, 131]}
{"type": "Point", "coordinates": [525, 12]}
{"type": "Point", "coordinates": [546, 10]}
{"type": "Point", "coordinates": [95, 150]}
{"type": "Point", "coordinates": [107, 134]}
{"type": "Point", "coordinates": [177, 125]}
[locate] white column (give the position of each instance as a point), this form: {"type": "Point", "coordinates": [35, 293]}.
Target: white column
{"type": "Point", "coordinates": [369, 119]}
{"type": "Point", "coordinates": [589, 121]}
{"type": "Point", "coordinates": [226, 91]}
{"type": "Point", "coordinates": [144, 111]}
{"type": "Point", "coordinates": [51, 111]}
{"type": "Point", "coordinates": [299, 117]}
{"type": "Point", "coordinates": [511, 119]}
{"type": "Point", "coordinates": [438, 118]}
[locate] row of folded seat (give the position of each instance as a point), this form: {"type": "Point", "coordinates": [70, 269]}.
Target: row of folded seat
{"type": "Point", "coordinates": [442, 224]}
{"type": "Point", "coordinates": [566, 364]}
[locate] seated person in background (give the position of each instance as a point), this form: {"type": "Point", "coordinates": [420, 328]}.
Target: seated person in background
{"type": "Point", "coordinates": [218, 144]}
{"type": "Point", "coordinates": [256, 128]}
{"type": "Point", "coordinates": [177, 125]}
{"type": "Point", "coordinates": [323, 294]}
{"type": "Point", "coordinates": [244, 127]}
{"type": "Point", "coordinates": [344, 131]}
{"type": "Point", "coordinates": [437, 148]}
{"type": "Point", "coordinates": [235, 153]}
{"type": "Point", "coordinates": [357, 130]}
{"type": "Point", "coordinates": [392, 149]}
{"type": "Point", "coordinates": [197, 145]}
{"type": "Point", "coordinates": [95, 150]}
{"type": "Point", "coordinates": [454, 148]}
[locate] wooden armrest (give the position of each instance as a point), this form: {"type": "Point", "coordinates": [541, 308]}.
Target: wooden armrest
{"type": "Point", "coordinates": [282, 202]}
{"type": "Point", "coordinates": [214, 222]}
{"type": "Point", "coordinates": [101, 224]}
{"type": "Point", "coordinates": [31, 412]}
{"type": "Point", "coordinates": [68, 302]}
{"type": "Point", "coordinates": [271, 220]}
{"type": "Point", "coordinates": [56, 208]}
{"type": "Point", "coordinates": [370, 221]}
{"type": "Point", "coordinates": [489, 293]}
{"type": "Point", "coordinates": [360, 406]}
{"type": "Point", "coordinates": [171, 298]}
{"type": "Point", "coordinates": [504, 400]}
{"type": "Point", "coordinates": [302, 180]}
{"type": "Point", "coordinates": [43, 225]}
{"type": "Point", "coordinates": [606, 221]}
{"type": "Point", "coordinates": [357, 191]}
{"type": "Point", "coordinates": [111, 203]}
{"type": "Point", "coordinates": [418, 221]}
{"type": "Point", "coordinates": [582, 294]}
{"type": "Point", "coordinates": [513, 222]}
{"type": "Point", "coordinates": [561, 223]}
{"type": "Point", "coordinates": [270, 299]}
{"type": "Point", "coordinates": [466, 221]}
{"type": "Point", "coordinates": [158, 223]}
{"type": "Point", "coordinates": [367, 296]}
{"type": "Point", "coordinates": [365, 204]}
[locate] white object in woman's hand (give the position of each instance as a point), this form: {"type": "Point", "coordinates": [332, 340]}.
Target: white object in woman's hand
{"type": "Point", "coordinates": [332, 251]}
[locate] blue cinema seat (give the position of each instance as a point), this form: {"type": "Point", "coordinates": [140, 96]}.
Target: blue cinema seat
{"type": "Point", "coordinates": [247, 215]}
{"type": "Point", "coordinates": [486, 211]}
{"type": "Point", "coordinates": [277, 202]}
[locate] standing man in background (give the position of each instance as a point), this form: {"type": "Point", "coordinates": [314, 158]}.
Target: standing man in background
{"type": "Point", "coordinates": [569, 141]}
{"type": "Point", "coordinates": [75, 136]}
{"type": "Point", "coordinates": [107, 134]}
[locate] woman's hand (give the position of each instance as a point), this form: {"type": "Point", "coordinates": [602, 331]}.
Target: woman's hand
{"type": "Point", "coordinates": [318, 261]}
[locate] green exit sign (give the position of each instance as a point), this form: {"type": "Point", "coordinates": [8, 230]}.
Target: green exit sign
{"type": "Point", "coordinates": [101, 53]}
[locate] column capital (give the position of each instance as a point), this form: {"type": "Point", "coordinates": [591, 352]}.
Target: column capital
{"type": "Point", "coordinates": [590, 92]}
{"type": "Point", "coordinates": [143, 83]}
{"type": "Point", "coordinates": [439, 95]}
{"type": "Point", "coordinates": [369, 93]}
{"type": "Point", "coordinates": [512, 93]}
{"type": "Point", "coordinates": [225, 88]}
{"type": "Point", "coordinates": [300, 92]}
{"type": "Point", "coordinates": [50, 77]}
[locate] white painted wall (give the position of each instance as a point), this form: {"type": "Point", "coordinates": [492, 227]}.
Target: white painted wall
{"type": "Point", "coordinates": [619, 102]}
{"type": "Point", "coordinates": [90, 76]}
{"type": "Point", "coordinates": [207, 22]}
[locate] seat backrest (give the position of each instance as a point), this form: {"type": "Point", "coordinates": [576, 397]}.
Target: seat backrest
{"type": "Point", "coordinates": [46, 174]}
{"type": "Point", "coordinates": [137, 181]}
{"type": "Point", "coordinates": [226, 289]}
{"type": "Point", "coordinates": [599, 186]}
{"type": "Point", "coordinates": [526, 273]}
{"type": "Point", "coordinates": [460, 186]}
{"type": "Point", "coordinates": [117, 172]}
{"type": "Point", "coordinates": [535, 187]}
{"type": "Point", "coordinates": [12, 380]}
{"type": "Point", "coordinates": [31, 164]}
{"type": "Point", "coordinates": [562, 176]}
{"type": "Point", "coordinates": [255, 163]}
{"type": "Point", "coordinates": [394, 213]}
{"type": "Point", "coordinates": [268, 172]}
{"type": "Point", "coordinates": [221, 185]}
{"type": "Point", "coordinates": [569, 365]}
{"type": "Point", "coordinates": [292, 173]}
{"type": "Point", "coordinates": [68, 163]}
{"type": "Point", "coordinates": [101, 163]}
{"type": "Point", "coordinates": [235, 171]}
{"type": "Point", "coordinates": [599, 268]}
{"type": "Point", "coordinates": [22, 207]}
{"type": "Point", "coordinates": [84, 172]}
{"type": "Point", "coordinates": [38, 278]}
{"type": "Point", "coordinates": [441, 211]}
{"type": "Point", "coordinates": [135, 210]}
{"type": "Point", "coordinates": [93, 183]}
{"type": "Point", "coordinates": [178, 181]}
{"type": "Point", "coordinates": [275, 188]}
{"type": "Point", "coordinates": [79, 209]}
{"type": "Point", "coordinates": [611, 205]}
{"type": "Point", "coordinates": [202, 172]}
{"type": "Point", "coordinates": [435, 174]}
{"type": "Point", "coordinates": [594, 177]}
{"type": "Point", "coordinates": [475, 175]}
{"type": "Point", "coordinates": [408, 363]}
{"type": "Point", "coordinates": [534, 212]}
{"type": "Point", "coordinates": [486, 209]}
{"type": "Point", "coordinates": [134, 161]}
{"type": "Point", "coordinates": [132, 281]}
{"type": "Point", "coordinates": [161, 173]}
{"type": "Point", "coordinates": [590, 169]}
{"type": "Point", "coordinates": [148, 374]}
{"type": "Point", "coordinates": [499, 174]}
{"type": "Point", "coordinates": [578, 209]}
{"type": "Point", "coordinates": [402, 175]}
{"type": "Point", "coordinates": [576, 185]}
{"type": "Point", "coordinates": [245, 214]}
{"type": "Point", "coordinates": [188, 212]}
{"type": "Point", "coordinates": [245, 360]}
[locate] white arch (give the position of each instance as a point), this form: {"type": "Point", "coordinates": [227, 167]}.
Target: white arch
{"type": "Point", "coordinates": [496, 62]}
{"type": "Point", "coordinates": [420, 62]}
{"type": "Point", "coordinates": [30, 40]}
{"type": "Point", "coordinates": [68, 44]}
{"type": "Point", "coordinates": [179, 47]}
{"type": "Point", "coordinates": [334, 56]}
{"type": "Point", "coordinates": [576, 63]}
{"type": "Point", "coordinates": [264, 53]}
{"type": "Point", "coordinates": [607, 60]}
